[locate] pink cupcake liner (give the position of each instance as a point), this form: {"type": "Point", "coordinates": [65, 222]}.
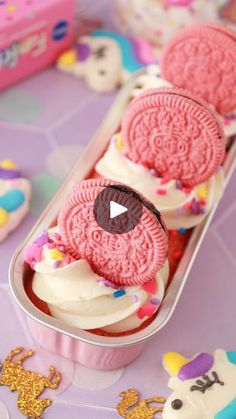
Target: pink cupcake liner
{"type": "Point", "coordinates": [92, 356]}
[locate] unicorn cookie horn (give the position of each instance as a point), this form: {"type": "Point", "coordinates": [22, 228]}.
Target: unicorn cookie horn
{"type": "Point", "coordinates": [106, 59]}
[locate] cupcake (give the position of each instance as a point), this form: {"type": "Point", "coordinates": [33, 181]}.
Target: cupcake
{"type": "Point", "coordinates": [107, 279]}
{"type": "Point", "coordinates": [200, 59]}
{"type": "Point", "coordinates": [171, 147]}
{"type": "Point", "coordinates": [158, 20]}
{"type": "Point", "coordinates": [15, 192]}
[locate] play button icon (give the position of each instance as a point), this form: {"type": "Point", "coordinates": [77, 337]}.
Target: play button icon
{"type": "Point", "coordinates": [118, 209]}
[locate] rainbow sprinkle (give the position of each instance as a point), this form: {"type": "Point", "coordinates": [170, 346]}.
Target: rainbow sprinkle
{"type": "Point", "coordinates": [147, 310]}
{"type": "Point", "coordinates": [135, 298]}
{"type": "Point", "coordinates": [153, 172]}
{"type": "Point", "coordinates": [107, 283]}
{"type": "Point", "coordinates": [164, 181]}
{"type": "Point", "coordinates": [180, 211]}
{"type": "Point", "coordinates": [186, 190]}
{"type": "Point", "coordinates": [195, 207]}
{"type": "Point", "coordinates": [161, 192]}
{"type": "Point", "coordinates": [56, 264]}
{"type": "Point", "coordinates": [55, 254]}
{"type": "Point", "coordinates": [51, 245]}
{"type": "Point", "coordinates": [179, 184]}
{"type": "Point", "coordinates": [155, 301]}
{"type": "Point", "coordinates": [119, 293]}
{"type": "Point", "coordinates": [202, 192]}
{"type": "Point", "coordinates": [119, 143]}
{"type": "Point", "coordinates": [57, 236]}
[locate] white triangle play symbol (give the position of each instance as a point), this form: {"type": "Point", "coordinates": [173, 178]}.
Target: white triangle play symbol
{"type": "Point", "coordinates": [116, 209]}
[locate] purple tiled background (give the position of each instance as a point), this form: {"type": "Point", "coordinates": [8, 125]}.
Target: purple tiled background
{"type": "Point", "coordinates": [45, 141]}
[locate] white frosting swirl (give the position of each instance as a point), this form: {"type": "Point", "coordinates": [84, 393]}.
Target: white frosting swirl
{"type": "Point", "coordinates": [179, 208]}
{"type": "Point", "coordinates": [80, 298]}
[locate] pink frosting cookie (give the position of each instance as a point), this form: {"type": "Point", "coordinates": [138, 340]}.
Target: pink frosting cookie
{"type": "Point", "coordinates": [130, 258]}
{"type": "Point", "coordinates": [175, 133]}
{"type": "Point", "coordinates": [202, 59]}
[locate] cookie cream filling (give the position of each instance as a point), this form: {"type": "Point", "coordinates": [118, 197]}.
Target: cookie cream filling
{"type": "Point", "coordinates": [79, 297]}
{"type": "Point", "coordinates": [180, 207]}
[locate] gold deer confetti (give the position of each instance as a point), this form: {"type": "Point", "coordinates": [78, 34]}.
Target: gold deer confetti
{"type": "Point", "coordinates": [130, 407]}
{"type": "Point", "coordinates": [28, 383]}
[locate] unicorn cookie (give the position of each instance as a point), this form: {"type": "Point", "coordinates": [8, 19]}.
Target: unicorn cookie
{"type": "Point", "coordinates": [15, 193]}
{"type": "Point", "coordinates": [204, 387]}
{"type": "Point", "coordinates": [106, 59]}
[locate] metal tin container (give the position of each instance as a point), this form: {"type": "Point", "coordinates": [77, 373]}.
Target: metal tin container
{"type": "Point", "coordinates": [95, 351]}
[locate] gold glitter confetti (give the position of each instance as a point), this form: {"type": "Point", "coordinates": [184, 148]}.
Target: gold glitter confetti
{"type": "Point", "coordinates": [130, 407]}
{"type": "Point", "coordinates": [28, 383]}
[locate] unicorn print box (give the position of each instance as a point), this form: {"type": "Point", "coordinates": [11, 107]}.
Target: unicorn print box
{"type": "Point", "coordinates": [203, 387]}
{"type": "Point", "coordinates": [105, 60]}
{"type": "Point", "coordinates": [32, 35]}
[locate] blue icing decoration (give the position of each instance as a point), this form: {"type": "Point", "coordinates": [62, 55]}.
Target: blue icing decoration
{"type": "Point", "coordinates": [12, 200]}
{"type": "Point", "coordinates": [119, 293]}
{"type": "Point", "coordinates": [229, 412]}
{"type": "Point", "coordinates": [129, 62]}
{"type": "Point", "coordinates": [231, 357]}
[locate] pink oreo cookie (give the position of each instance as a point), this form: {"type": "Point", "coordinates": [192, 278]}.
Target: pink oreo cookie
{"type": "Point", "coordinates": [175, 133]}
{"type": "Point", "coordinates": [128, 258]}
{"type": "Point", "coordinates": [202, 59]}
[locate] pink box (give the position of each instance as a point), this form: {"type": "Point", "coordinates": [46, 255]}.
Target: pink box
{"type": "Point", "coordinates": [32, 35]}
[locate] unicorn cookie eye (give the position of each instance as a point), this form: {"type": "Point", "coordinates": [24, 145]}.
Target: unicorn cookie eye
{"type": "Point", "coordinates": [100, 52]}
{"type": "Point", "coordinates": [102, 72]}
{"type": "Point", "coordinates": [176, 404]}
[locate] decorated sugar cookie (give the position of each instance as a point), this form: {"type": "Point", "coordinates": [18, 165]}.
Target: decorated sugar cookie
{"type": "Point", "coordinates": [132, 257]}
{"type": "Point", "coordinates": [174, 133]}
{"type": "Point", "coordinates": [202, 59]}
{"type": "Point", "coordinates": [106, 59]}
{"type": "Point", "coordinates": [204, 387]}
{"type": "Point", "coordinates": [15, 193]}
